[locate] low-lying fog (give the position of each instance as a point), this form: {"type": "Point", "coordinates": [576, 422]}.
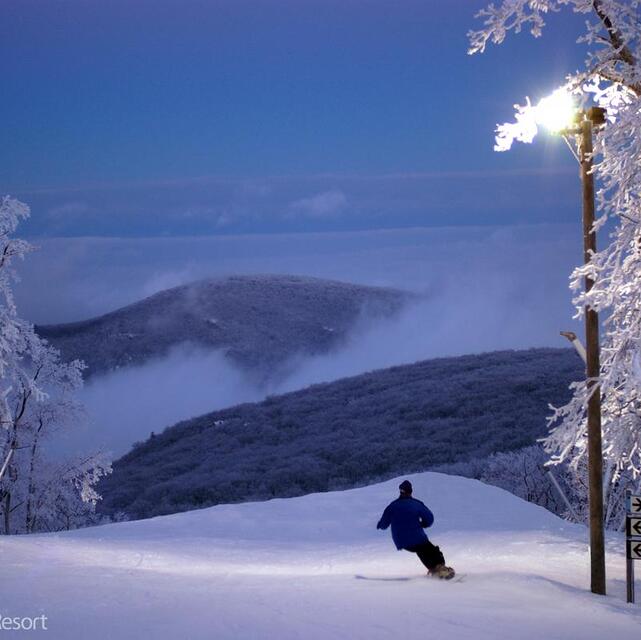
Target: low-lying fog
{"type": "Point", "coordinates": [483, 289]}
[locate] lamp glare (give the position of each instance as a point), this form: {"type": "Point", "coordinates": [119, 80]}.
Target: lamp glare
{"type": "Point", "coordinates": [556, 112]}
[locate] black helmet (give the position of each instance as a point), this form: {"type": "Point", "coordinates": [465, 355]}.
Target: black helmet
{"type": "Point", "coordinates": [405, 487]}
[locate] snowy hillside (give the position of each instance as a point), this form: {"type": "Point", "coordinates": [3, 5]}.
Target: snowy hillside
{"type": "Point", "coordinates": [287, 569]}
{"type": "Point", "coordinates": [346, 433]}
{"type": "Point", "coordinates": [259, 321]}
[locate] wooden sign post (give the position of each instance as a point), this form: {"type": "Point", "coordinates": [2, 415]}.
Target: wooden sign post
{"type": "Point", "coordinates": [632, 539]}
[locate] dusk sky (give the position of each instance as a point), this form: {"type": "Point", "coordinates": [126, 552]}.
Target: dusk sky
{"type": "Point", "coordinates": [197, 118]}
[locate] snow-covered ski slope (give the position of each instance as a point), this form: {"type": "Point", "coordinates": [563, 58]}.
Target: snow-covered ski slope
{"type": "Point", "coordinates": [286, 569]}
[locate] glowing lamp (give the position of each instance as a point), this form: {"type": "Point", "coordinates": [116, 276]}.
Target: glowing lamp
{"type": "Point", "coordinates": [556, 112]}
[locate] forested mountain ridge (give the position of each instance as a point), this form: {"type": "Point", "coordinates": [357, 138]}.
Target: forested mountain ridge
{"type": "Point", "coordinates": [258, 321]}
{"type": "Point", "coordinates": [346, 433]}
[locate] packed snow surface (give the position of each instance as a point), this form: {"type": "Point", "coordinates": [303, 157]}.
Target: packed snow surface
{"type": "Point", "coordinates": [288, 568]}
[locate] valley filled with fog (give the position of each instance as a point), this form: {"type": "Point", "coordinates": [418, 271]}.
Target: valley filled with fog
{"type": "Point", "coordinates": [477, 289]}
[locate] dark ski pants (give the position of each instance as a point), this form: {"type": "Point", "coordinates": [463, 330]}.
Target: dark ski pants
{"type": "Point", "coordinates": [430, 555]}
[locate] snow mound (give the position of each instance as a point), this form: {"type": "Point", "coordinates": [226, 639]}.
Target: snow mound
{"type": "Point", "coordinates": [286, 568]}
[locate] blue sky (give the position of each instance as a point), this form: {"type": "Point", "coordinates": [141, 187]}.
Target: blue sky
{"type": "Point", "coordinates": [161, 142]}
{"type": "Point", "coordinates": [197, 118]}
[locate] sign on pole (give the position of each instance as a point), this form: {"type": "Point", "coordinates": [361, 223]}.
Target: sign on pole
{"type": "Point", "coordinates": [634, 549]}
{"type": "Point", "coordinates": [634, 504]}
{"type": "Point", "coordinates": [633, 526]}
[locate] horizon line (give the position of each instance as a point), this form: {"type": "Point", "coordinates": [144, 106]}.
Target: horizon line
{"type": "Point", "coordinates": [348, 176]}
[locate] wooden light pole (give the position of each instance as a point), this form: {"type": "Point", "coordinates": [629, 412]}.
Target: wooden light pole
{"type": "Point", "coordinates": [593, 116]}
{"type": "Point", "coordinates": [586, 121]}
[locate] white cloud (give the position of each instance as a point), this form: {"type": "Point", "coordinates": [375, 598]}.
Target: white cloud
{"type": "Point", "coordinates": [68, 209]}
{"type": "Point", "coordinates": [163, 280]}
{"type": "Point", "coordinates": [126, 405]}
{"type": "Point", "coordinates": [279, 203]}
{"type": "Point", "coordinates": [328, 204]}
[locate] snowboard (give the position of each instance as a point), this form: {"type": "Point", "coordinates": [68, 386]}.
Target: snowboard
{"type": "Point", "coordinates": [457, 578]}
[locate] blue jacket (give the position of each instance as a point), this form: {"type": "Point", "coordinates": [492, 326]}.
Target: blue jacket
{"type": "Point", "coordinates": [408, 517]}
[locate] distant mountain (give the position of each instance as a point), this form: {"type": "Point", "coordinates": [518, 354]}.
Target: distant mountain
{"type": "Point", "coordinates": [346, 433]}
{"type": "Point", "coordinates": [259, 321]}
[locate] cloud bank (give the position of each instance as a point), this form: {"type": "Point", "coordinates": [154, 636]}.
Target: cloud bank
{"type": "Point", "coordinates": [70, 279]}
{"type": "Point", "coordinates": [483, 289]}
{"type": "Point", "coordinates": [126, 406]}
{"type": "Point", "coordinates": [310, 203]}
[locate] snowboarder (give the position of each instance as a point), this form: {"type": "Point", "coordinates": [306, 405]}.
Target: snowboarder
{"type": "Point", "coordinates": [408, 517]}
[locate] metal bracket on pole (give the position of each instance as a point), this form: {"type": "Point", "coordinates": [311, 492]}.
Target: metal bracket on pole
{"type": "Point", "coordinates": [576, 343]}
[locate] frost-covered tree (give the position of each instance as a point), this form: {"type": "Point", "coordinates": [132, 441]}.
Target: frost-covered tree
{"type": "Point", "coordinates": [523, 473]}
{"type": "Point", "coordinates": [36, 401]}
{"type": "Point", "coordinates": [611, 78]}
